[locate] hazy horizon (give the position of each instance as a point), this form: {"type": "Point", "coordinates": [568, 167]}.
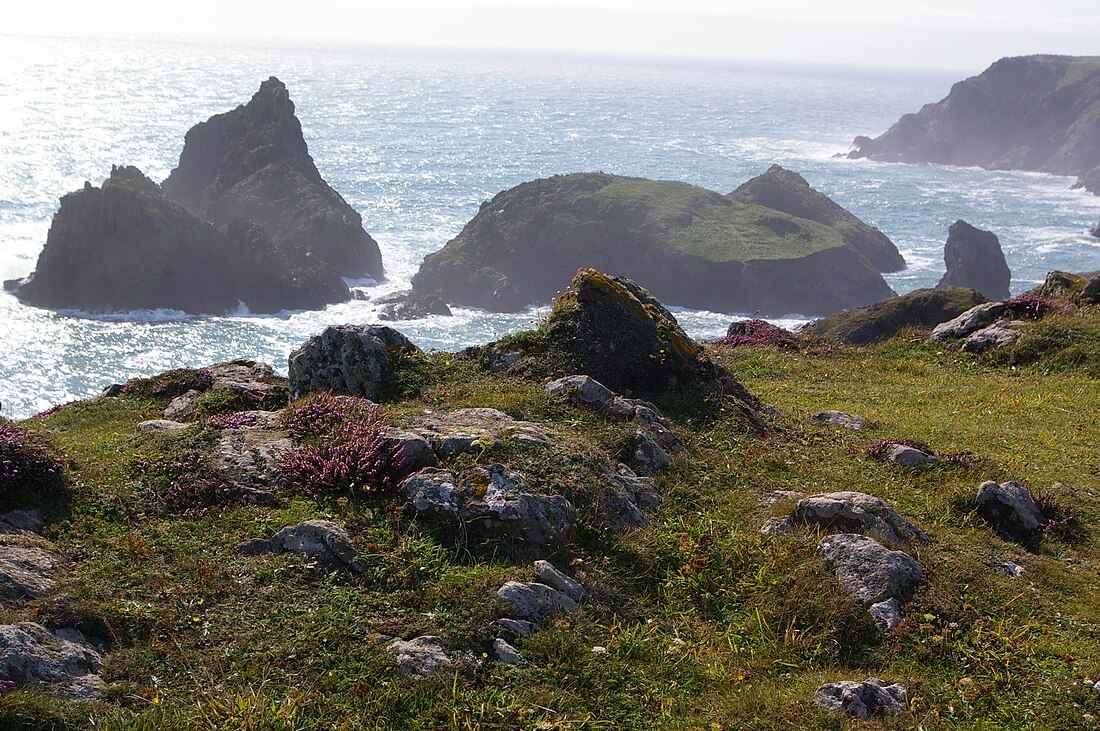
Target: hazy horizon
{"type": "Point", "coordinates": [934, 35]}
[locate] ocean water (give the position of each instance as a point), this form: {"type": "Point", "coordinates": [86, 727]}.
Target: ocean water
{"type": "Point", "coordinates": [415, 140]}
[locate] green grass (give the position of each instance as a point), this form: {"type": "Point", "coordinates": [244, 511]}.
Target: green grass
{"type": "Point", "coordinates": [703, 622]}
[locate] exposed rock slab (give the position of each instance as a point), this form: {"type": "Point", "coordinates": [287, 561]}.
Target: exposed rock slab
{"type": "Point", "coordinates": [841, 419]}
{"type": "Point", "coordinates": [28, 563]}
{"type": "Point", "coordinates": [864, 699]}
{"type": "Point", "coordinates": [248, 458]}
{"type": "Point", "coordinates": [857, 512]}
{"type": "Point", "coordinates": [997, 335]}
{"type": "Point", "coordinates": [426, 655]}
{"type": "Point", "coordinates": [921, 309]}
{"type": "Point", "coordinates": [976, 318]}
{"type": "Point", "coordinates": [534, 601]}
{"type": "Point", "coordinates": [465, 430]}
{"type": "Point", "coordinates": [867, 570]}
{"type": "Point", "coordinates": [62, 662]}
{"type": "Point", "coordinates": [350, 360]}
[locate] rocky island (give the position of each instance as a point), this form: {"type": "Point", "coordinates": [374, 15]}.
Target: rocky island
{"type": "Point", "coordinates": [1039, 113]}
{"type": "Point", "coordinates": [253, 163]}
{"type": "Point", "coordinates": [126, 246]}
{"type": "Point", "coordinates": [690, 246]}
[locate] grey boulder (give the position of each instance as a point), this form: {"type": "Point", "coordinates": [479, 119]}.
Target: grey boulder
{"type": "Point", "coordinates": [857, 512]}
{"type": "Point", "coordinates": [424, 656]}
{"type": "Point", "coordinates": [997, 335]}
{"type": "Point", "coordinates": [534, 601]}
{"type": "Point", "coordinates": [906, 456]}
{"type": "Point", "coordinates": [867, 570]}
{"type": "Point", "coordinates": [970, 321]}
{"type": "Point", "coordinates": [351, 360]}
{"type": "Point", "coordinates": [62, 662]}
{"type": "Point", "coordinates": [1010, 509]}
{"type": "Point", "coordinates": [863, 700]}
{"type": "Point", "coordinates": [318, 539]}
{"type": "Point", "coordinates": [841, 419]}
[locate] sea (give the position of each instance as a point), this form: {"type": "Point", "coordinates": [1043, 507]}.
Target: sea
{"type": "Point", "coordinates": [416, 139]}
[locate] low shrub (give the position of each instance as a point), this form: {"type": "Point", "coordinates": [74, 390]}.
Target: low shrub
{"type": "Point", "coordinates": [342, 447]}
{"type": "Point", "coordinates": [1030, 306]}
{"type": "Point", "coordinates": [759, 332]}
{"type": "Point", "coordinates": [27, 460]}
{"type": "Point", "coordinates": [169, 384]}
{"type": "Point", "coordinates": [232, 400]}
{"type": "Point", "coordinates": [187, 486]}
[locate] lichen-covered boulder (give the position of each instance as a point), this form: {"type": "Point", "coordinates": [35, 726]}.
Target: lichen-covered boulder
{"type": "Point", "coordinates": [997, 335]}
{"type": "Point", "coordinates": [534, 601]}
{"type": "Point", "coordinates": [464, 430]}
{"type": "Point", "coordinates": [349, 360]}
{"type": "Point", "coordinates": [490, 501]}
{"type": "Point", "coordinates": [867, 570]}
{"type": "Point", "coordinates": [977, 317]}
{"type": "Point", "coordinates": [424, 656]}
{"type": "Point", "coordinates": [319, 539]}
{"type": "Point", "coordinates": [857, 512]}
{"type": "Point", "coordinates": [863, 700]}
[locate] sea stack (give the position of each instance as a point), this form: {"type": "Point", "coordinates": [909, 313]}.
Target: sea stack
{"type": "Point", "coordinates": [252, 163]}
{"type": "Point", "coordinates": [125, 246]}
{"type": "Point", "coordinates": [974, 259]}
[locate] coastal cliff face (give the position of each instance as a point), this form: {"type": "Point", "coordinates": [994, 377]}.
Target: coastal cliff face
{"type": "Point", "coordinates": [689, 246]}
{"type": "Point", "coordinates": [1038, 113]}
{"type": "Point", "coordinates": [787, 191]}
{"type": "Point", "coordinates": [253, 163]}
{"type": "Point", "coordinates": [126, 246]}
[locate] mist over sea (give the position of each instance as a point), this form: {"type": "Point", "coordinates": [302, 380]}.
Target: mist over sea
{"type": "Point", "coordinates": [416, 140]}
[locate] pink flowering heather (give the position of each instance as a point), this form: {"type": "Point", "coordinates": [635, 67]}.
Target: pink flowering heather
{"type": "Point", "coordinates": [27, 459]}
{"type": "Point", "coordinates": [878, 449]}
{"type": "Point", "coordinates": [342, 446]}
{"type": "Point", "coordinates": [1030, 306]}
{"type": "Point", "coordinates": [187, 486]}
{"type": "Point", "coordinates": [759, 332]}
{"type": "Point", "coordinates": [238, 420]}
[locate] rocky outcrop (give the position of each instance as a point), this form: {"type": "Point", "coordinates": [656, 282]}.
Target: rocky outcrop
{"type": "Point", "coordinates": [350, 360]}
{"type": "Point", "coordinates": [788, 192]}
{"type": "Point", "coordinates": [1011, 509]}
{"type": "Point", "coordinates": [867, 570]}
{"type": "Point", "coordinates": [252, 163]}
{"type": "Point", "coordinates": [689, 246]}
{"type": "Point", "coordinates": [923, 308]}
{"type": "Point", "coordinates": [424, 656]}
{"type": "Point", "coordinates": [126, 246]}
{"type": "Point", "coordinates": [1037, 113]}
{"type": "Point", "coordinates": [857, 512]}
{"type": "Point", "coordinates": [476, 429]}
{"type": "Point", "coordinates": [616, 332]}
{"type": "Point", "coordinates": [974, 259]}
{"type": "Point", "coordinates": [974, 319]}
{"type": "Point", "coordinates": [408, 306]}
{"type": "Point", "coordinates": [318, 539]}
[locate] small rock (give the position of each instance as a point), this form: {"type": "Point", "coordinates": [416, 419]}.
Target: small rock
{"type": "Point", "coordinates": [160, 426]}
{"type": "Point", "coordinates": [520, 627]}
{"type": "Point", "coordinates": [26, 572]}
{"type": "Point", "coordinates": [906, 456]}
{"type": "Point", "coordinates": [625, 498]}
{"type": "Point", "coordinates": [863, 700]}
{"type": "Point", "coordinates": [780, 496]}
{"type": "Point", "coordinates": [646, 454]}
{"type": "Point", "coordinates": [181, 405]}
{"type": "Point", "coordinates": [424, 656]}
{"type": "Point", "coordinates": [777, 527]}
{"type": "Point", "coordinates": [534, 601]}
{"type": "Point", "coordinates": [579, 390]}
{"type": "Point", "coordinates": [508, 654]}
{"type": "Point", "coordinates": [28, 520]}
{"type": "Point", "coordinates": [997, 335]}
{"type": "Point", "coordinates": [886, 615]}
{"type": "Point", "coordinates": [839, 418]}
{"type": "Point", "coordinates": [869, 571]}
{"type": "Point", "coordinates": [320, 539]}
{"type": "Point", "coordinates": [1011, 569]}
{"type": "Point", "coordinates": [490, 501]}
{"type": "Point", "coordinates": [970, 321]}
{"type": "Point", "coordinates": [857, 512]}
{"type": "Point", "coordinates": [111, 391]}
{"type": "Point", "coordinates": [555, 579]}
{"type": "Point", "coordinates": [63, 663]}
{"type": "Point", "coordinates": [415, 453]}
{"type": "Point", "coordinates": [1010, 509]}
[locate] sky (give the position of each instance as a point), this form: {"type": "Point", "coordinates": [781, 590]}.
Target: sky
{"type": "Point", "coordinates": [938, 34]}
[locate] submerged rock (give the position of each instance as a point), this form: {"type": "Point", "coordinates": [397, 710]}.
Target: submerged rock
{"type": "Point", "coordinates": [126, 246]}
{"type": "Point", "coordinates": [252, 163]}
{"type": "Point", "coordinates": [974, 259]}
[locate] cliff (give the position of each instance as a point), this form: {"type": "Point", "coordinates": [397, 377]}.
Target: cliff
{"type": "Point", "coordinates": [689, 246]}
{"type": "Point", "coordinates": [1038, 113]}
{"type": "Point", "coordinates": [787, 191]}
{"type": "Point", "coordinates": [126, 246]}
{"type": "Point", "coordinates": [252, 163]}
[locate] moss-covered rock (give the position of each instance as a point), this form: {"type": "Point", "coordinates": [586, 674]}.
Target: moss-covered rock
{"type": "Point", "coordinates": [923, 308]}
{"type": "Point", "coordinates": [689, 246]}
{"type": "Point", "coordinates": [787, 191]}
{"type": "Point", "coordinates": [126, 246]}
{"type": "Point", "coordinates": [253, 163]}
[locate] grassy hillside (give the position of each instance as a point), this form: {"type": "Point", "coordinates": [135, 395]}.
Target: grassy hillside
{"type": "Point", "coordinates": [696, 621]}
